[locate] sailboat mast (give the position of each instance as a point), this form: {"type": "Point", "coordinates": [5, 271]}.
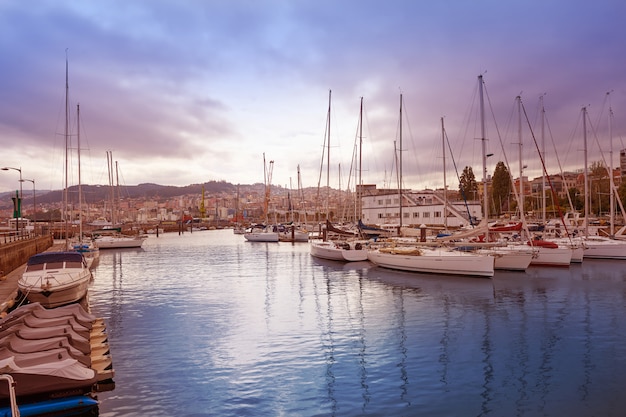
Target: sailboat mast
{"type": "Point", "coordinates": [80, 188]}
{"type": "Point", "coordinates": [586, 173]}
{"type": "Point", "coordinates": [543, 151]}
{"type": "Point", "coordinates": [519, 144]}
{"type": "Point", "coordinates": [400, 168]}
{"type": "Point", "coordinates": [328, 160]}
{"type": "Point", "coordinates": [484, 147]}
{"type": "Point", "coordinates": [359, 192]}
{"type": "Point", "coordinates": [445, 186]}
{"type": "Point", "coordinates": [66, 133]}
{"type": "Point", "coordinates": [611, 180]}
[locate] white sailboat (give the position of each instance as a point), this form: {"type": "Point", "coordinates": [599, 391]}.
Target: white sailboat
{"type": "Point", "coordinates": [86, 247]}
{"type": "Point", "coordinates": [57, 278]}
{"type": "Point", "coordinates": [597, 247]}
{"type": "Point", "coordinates": [265, 232]}
{"type": "Point", "coordinates": [416, 258]}
{"type": "Point", "coordinates": [112, 238]}
{"type": "Point", "coordinates": [326, 248]}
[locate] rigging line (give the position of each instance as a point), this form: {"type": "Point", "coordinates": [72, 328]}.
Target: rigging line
{"type": "Point", "coordinates": [558, 161]}
{"type": "Point", "coordinates": [508, 166]}
{"type": "Point", "coordinates": [606, 166]}
{"type": "Point", "coordinates": [456, 170]}
{"type": "Point", "coordinates": [554, 196]}
{"type": "Point", "coordinates": [411, 138]}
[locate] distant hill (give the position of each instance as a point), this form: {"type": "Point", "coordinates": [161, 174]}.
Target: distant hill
{"type": "Point", "coordinates": [98, 193]}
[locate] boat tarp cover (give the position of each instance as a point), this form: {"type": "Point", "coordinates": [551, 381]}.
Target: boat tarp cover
{"type": "Point", "coordinates": [482, 228]}
{"type": "Point", "coordinates": [49, 257]}
{"type": "Point", "coordinates": [370, 229]}
{"type": "Point", "coordinates": [333, 229]}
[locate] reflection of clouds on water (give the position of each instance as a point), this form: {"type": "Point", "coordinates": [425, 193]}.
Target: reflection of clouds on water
{"type": "Point", "coordinates": [240, 328]}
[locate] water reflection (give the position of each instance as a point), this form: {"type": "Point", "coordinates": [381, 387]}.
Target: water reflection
{"type": "Point", "coordinates": [267, 329]}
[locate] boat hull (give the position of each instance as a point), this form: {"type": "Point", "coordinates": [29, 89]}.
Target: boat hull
{"type": "Point", "coordinates": [55, 278]}
{"type": "Point", "coordinates": [559, 257]}
{"type": "Point", "coordinates": [261, 236]}
{"type": "Point", "coordinates": [510, 259]}
{"type": "Point", "coordinates": [331, 251]}
{"type": "Point", "coordinates": [436, 262]}
{"type": "Point", "coordinates": [604, 249]}
{"type": "Point", "coordinates": [112, 242]}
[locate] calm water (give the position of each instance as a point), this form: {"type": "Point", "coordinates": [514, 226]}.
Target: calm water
{"type": "Point", "coordinates": [209, 324]}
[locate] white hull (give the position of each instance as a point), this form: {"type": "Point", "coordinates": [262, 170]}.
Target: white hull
{"type": "Point", "coordinates": [510, 258]}
{"type": "Point", "coordinates": [298, 236]}
{"type": "Point", "coordinates": [436, 261]}
{"type": "Point", "coordinates": [331, 250]}
{"type": "Point", "coordinates": [560, 256]}
{"type": "Point", "coordinates": [116, 242]}
{"type": "Point", "coordinates": [261, 236]}
{"type": "Point", "coordinates": [598, 248]}
{"type": "Point", "coordinates": [55, 283]}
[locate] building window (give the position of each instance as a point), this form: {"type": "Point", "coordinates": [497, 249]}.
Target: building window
{"type": "Point", "coordinates": [427, 214]}
{"type": "Point", "coordinates": [388, 201]}
{"type": "Point", "coordinates": [380, 215]}
{"type": "Point", "coordinates": [380, 202]}
{"type": "Point", "coordinates": [416, 215]}
{"type": "Point", "coordinates": [437, 214]}
{"type": "Point", "coordinates": [406, 215]}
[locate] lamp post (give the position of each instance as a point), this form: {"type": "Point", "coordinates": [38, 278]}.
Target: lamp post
{"type": "Point", "coordinates": [19, 198]}
{"type": "Point", "coordinates": [34, 204]}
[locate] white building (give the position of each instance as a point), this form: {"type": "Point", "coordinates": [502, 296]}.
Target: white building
{"type": "Point", "coordinates": [418, 207]}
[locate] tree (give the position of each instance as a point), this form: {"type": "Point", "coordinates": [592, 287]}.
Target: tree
{"type": "Point", "coordinates": [598, 187]}
{"type": "Point", "coordinates": [500, 187]}
{"type": "Point", "coordinates": [468, 185]}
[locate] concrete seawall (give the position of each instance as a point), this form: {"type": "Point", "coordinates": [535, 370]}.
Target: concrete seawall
{"type": "Point", "coordinates": [13, 256]}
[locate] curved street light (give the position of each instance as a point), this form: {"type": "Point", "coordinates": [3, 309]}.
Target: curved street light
{"type": "Point", "coordinates": [34, 204]}
{"type": "Point", "coordinates": [19, 201]}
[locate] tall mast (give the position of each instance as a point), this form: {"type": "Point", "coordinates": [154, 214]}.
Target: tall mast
{"type": "Point", "coordinates": [80, 188]}
{"type": "Point", "coordinates": [611, 184]}
{"type": "Point", "coordinates": [519, 144]}
{"type": "Point", "coordinates": [400, 167]}
{"type": "Point", "coordinates": [328, 160]}
{"type": "Point", "coordinates": [586, 173]}
{"type": "Point", "coordinates": [445, 186]}
{"type": "Point", "coordinates": [543, 151]}
{"type": "Point", "coordinates": [359, 192]}
{"type": "Point", "coordinates": [66, 134]}
{"type": "Point", "coordinates": [484, 147]}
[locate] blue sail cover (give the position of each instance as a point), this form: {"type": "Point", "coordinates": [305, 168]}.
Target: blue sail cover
{"type": "Point", "coordinates": [49, 257]}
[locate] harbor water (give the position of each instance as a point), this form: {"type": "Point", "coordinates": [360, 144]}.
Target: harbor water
{"type": "Point", "coordinates": [206, 324]}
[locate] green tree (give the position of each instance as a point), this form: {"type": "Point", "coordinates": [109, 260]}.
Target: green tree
{"type": "Point", "coordinates": [598, 187]}
{"type": "Point", "coordinates": [468, 185]}
{"type": "Point", "coordinates": [500, 188]}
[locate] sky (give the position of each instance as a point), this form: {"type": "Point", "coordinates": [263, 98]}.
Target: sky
{"type": "Point", "coordinates": [185, 92]}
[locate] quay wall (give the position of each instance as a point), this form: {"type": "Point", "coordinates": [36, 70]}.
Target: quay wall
{"type": "Point", "coordinates": [15, 254]}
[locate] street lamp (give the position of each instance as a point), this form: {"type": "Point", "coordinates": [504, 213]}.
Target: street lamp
{"type": "Point", "coordinates": [19, 197]}
{"type": "Point", "coordinates": [34, 204]}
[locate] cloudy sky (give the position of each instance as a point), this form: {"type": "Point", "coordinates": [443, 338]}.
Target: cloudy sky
{"type": "Point", "coordinates": [183, 92]}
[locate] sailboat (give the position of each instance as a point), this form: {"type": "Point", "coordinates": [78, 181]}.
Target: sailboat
{"type": "Point", "coordinates": [339, 249]}
{"type": "Point", "coordinates": [62, 277]}
{"type": "Point", "coordinates": [112, 238]}
{"type": "Point", "coordinates": [598, 247]}
{"type": "Point", "coordinates": [440, 260]}
{"type": "Point", "coordinates": [506, 256]}
{"type": "Point", "coordinates": [264, 232]}
{"type": "Point", "coordinates": [87, 248]}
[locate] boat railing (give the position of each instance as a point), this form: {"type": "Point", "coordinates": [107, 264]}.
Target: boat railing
{"type": "Point", "coordinates": [15, 412]}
